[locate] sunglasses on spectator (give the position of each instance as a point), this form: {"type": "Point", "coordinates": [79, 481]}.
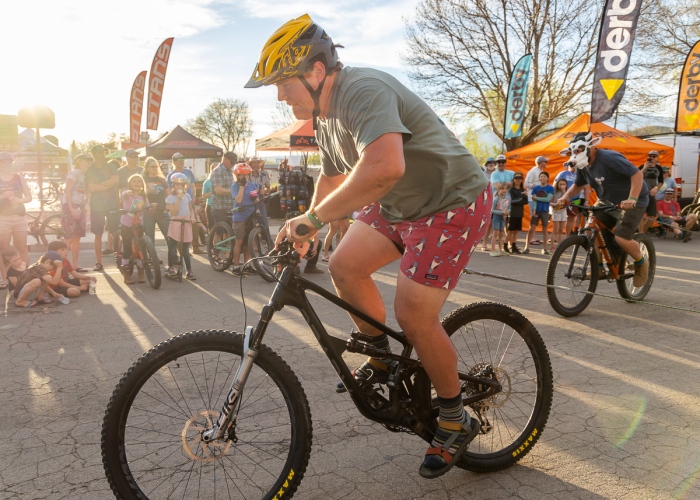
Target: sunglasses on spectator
{"type": "Point", "coordinates": [501, 161]}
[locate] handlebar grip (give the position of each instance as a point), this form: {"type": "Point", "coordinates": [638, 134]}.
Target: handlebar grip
{"type": "Point", "coordinates": [302, 230]}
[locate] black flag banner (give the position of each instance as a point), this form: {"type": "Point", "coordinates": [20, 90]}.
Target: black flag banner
{"type": "Point", "coordinates": [614, 48]}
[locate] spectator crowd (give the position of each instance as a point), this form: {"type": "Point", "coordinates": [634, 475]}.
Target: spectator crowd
{"type": "Point", "coordinates": [112, 195]}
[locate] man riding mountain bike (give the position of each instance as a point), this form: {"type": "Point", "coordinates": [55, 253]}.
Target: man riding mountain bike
{"type": "Point", "coordinates": [616, 181]}
{"type": "Point", "coordinates": [423, 199]}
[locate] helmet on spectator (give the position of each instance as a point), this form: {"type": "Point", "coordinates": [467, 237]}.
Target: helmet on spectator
{"type": "Point", "coordinates": [242, 169]}
{"type": "Point", "coordinates": [179, 178]}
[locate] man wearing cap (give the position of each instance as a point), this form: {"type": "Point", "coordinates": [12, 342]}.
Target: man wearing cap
{"type": "Point", "coordinates": [532, 179]}
{"type": "Point", "coordinates": [489, 166]}
{"type": "Point", "coordinates": [668, 183]}
{"type": "Point", "coordinates": [501, 174]}
{"type": "Point", "coordinates": [179, 167]}
{"type": "Point", "coordinates": [670, 214]}
{"type": "Point", "coordinates": [221, 181]}
{"type": "Point", "coordinates": [103, 182]}
{"type": "Point", "coordinates": [132, 167]}
{"type": "Point", "coordinates": [653, 177]}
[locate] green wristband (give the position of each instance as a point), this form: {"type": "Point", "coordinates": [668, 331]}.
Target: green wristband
{"type": "Point", "coordinates": [318, 224]}
{"type": "Point", "coordinates": [632, 198]}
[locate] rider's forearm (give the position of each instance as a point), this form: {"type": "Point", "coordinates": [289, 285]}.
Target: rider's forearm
{"type": "Point", "coordinates": [325, 186]}
{"type": "Point", "coordinates": [636, 185]}
{"type": "Point", "coordinates": [572, 192]}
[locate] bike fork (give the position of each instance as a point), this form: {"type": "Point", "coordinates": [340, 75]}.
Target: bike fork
{"type": "Point", "coordinates": [234, 394]}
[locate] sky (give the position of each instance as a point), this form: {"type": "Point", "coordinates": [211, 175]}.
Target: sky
{"type": "Point", "coordinates": [80, 57]}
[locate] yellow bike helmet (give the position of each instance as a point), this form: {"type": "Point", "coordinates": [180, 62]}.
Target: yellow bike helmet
{"type": "Point", "coordinates": [287, 51]}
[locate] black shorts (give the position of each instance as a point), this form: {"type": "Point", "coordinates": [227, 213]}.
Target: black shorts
{"type": "Point", "coordinates": [62, 289]}
{"type": "Point", "coordinates": [97, 221]}
{"type": "Point", "coordinates": [515, 223]}
{"type": "Point", "coordinates": [219, 215]}
{"type": "Point", "coordinates": [625, 226]}
{"type": "Point", "coordinates": [651, 209]}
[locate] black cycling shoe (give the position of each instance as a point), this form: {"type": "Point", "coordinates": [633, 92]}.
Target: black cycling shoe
{"type": "Point", "coordinates": [366, 373]}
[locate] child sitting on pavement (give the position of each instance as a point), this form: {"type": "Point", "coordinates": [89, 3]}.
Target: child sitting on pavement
{"type": "Point", "coordinates": [15, 267]}
{"type": "Point", "coordinates": [35, 281]}
{"type": "Point", "coordinates": [72, 282]}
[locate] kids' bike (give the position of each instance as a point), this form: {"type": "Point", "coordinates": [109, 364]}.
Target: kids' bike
{"type": "Point", "coordinates": [221, 241]}
{"type": "Point", "coordinates": [573, 271]}
{"type": "Point", "coordinates": [215, 414]}
{"type": "Point", "coordinates": [143, 249]}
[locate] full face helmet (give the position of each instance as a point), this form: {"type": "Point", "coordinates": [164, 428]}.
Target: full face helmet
{"type": "Point", "coordinates": [579, 149]}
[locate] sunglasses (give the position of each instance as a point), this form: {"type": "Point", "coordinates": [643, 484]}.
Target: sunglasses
{"type": "Point", "coordinates": [500, 162]}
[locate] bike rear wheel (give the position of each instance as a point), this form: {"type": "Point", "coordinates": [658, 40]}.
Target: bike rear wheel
{"type": "Point", "coordinates": [260, 244]}
{"type": "Point", "coordinates": [151, 262]}
{"type": "Point", "coordinates": [497, 336]}
{"type": "Point", "coordinates": [220, 254]}
{"type": "Point", "coordinates": [151, 433]}
{"type": "Point", "coordinates": [625, 286]}
{"type": "Point", "coordinates": [575, 268]}
{"type": "Point", "coordinates": [51, 229]}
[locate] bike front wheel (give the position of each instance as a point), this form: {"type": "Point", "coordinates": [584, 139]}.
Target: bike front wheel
{"type": "Point", "coordinates": [572, 276]}
{"type": "Point", "coordinates": [51, 229]}
{"type": "Point", "coordinates": [151, 434]}
{"type": "Point", "coordinates": [151, 262]}
{"type": "Point", "coordinates": [220, 246]}
{"type": "Point", "coordinates": [489, 336]}
{"type": "Point", "coordinates": [260, 244]}
{"type": "Point", "coordinates": [625, 286]}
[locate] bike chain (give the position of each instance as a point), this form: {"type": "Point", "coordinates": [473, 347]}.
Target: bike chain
{"type": "Point", "coordinates": [558, 287]}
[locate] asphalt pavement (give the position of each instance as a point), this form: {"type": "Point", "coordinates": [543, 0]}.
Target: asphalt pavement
{"type": "Point", "coordinates": [625, 421]}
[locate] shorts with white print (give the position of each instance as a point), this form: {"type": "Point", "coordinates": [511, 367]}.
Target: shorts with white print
{"type": "Point", "coordinates": [436, 248]}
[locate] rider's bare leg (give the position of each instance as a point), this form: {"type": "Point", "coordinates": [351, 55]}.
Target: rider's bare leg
{"type": "Point", "coordinates": [417, 310]}
{"type": "Point", "coordinates": [361, 252]}
{"type": "Point", "coordinates": [630, 246]}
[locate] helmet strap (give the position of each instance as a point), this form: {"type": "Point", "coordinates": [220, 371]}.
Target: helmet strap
{"type": "Point", "coordinates": [316, 96]}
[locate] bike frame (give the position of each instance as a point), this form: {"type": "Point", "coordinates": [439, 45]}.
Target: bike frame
{"type": "Point", "coordinates": [257, 222]}
{"type": "Point", "coordinates": [291, 291]}
{"type": "Point", "coordinates": [593, 232]}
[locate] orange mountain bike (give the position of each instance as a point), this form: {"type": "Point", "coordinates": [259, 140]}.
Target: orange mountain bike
{"type": "Point", "coordinates": [573, 271]}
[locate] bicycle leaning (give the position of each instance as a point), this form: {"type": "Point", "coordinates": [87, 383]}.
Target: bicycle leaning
{"type": "Point", "coordinates": [214, 413]}
{"type": "Point", "coordinates": [573, 271]}
{"type": "Point", "coordinates": [221, 240]}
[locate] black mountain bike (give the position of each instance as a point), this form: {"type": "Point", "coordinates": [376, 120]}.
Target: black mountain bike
{"type": "Point", "coordinates": [212, 413]}
{"type": "Point", "coordinates": [573, 270]}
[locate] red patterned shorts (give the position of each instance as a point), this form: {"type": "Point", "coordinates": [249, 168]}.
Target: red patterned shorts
{"type": "Point", "coordinates": [435, 248]}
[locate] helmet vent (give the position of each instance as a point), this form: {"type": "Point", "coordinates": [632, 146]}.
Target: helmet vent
{"type": "Point", "coordinates": [309, 34]}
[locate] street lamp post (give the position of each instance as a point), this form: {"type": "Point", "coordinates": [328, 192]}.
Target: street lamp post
{"type": "Point", "coordinates": [37, 117]}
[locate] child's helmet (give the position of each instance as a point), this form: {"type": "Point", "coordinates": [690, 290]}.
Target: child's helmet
{"type": "Point", "coordinates": [179, 178]}
{"type": "Point", "coordinates": [242, 169]}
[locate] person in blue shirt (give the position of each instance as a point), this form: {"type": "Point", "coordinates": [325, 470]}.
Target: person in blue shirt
{"type": "Point", "coordinates": [541, 194]}
{"type": "Point", "coordinates": [245, 194]}
{"type": "Point", "coordinates": [501, 175]}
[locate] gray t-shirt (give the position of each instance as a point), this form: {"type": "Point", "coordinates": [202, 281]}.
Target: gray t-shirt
{"type": "Point", "coordinates": [610, 176]}
{"type": "Point", "coordinates": [366, 104]}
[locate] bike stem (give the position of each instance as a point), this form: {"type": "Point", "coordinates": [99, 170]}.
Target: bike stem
{"type": "Point", "coordinates": [234, 394]}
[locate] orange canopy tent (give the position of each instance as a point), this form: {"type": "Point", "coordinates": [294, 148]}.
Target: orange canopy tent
{"type": "Point", "coordinates": [299, 136]}
{"type": "Point", "coordinates": [633, 148]}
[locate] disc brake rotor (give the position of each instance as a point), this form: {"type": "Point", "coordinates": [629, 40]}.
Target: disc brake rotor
{"type": "Point", "coordinates": [192, 442]}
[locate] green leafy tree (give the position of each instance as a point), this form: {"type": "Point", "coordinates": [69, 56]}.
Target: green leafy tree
{"type": "Point", "coordinates": [226, 123]}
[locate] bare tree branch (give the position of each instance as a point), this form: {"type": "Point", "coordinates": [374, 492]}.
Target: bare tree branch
{"type": "Point", "coordinates": [225, 123]}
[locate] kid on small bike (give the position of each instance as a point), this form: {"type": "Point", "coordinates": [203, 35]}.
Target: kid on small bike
{"type": "Point", "coordinates": [134, 199]}
{"type": "Point", "coordinates": [245, 194]}
{"type": "Point", "coordinates": [182, 216]}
